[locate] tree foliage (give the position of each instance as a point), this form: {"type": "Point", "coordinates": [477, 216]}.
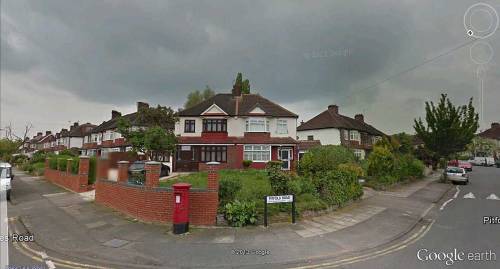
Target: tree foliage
{"type": "Point", "coordinates": [8, 147]}
{"type": "Point", "coordinates": [448, 128]}
{"type": "Point", "coordinates": [196, 97]}
{"type": "Point", "coordinates": [244, 85]}
{"type": "Point", "coordinates": [153, 129]}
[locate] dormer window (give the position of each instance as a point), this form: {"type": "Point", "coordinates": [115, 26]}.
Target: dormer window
{"type": "Point", "coordinates": [257, 125]}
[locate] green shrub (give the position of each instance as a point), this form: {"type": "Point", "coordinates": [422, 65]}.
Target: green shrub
{"type": "Point", "coordinates": [407, 167]}
{"type": "Point", "coordinates": [62, 162]}
{"type": "Point", "coordinates": [40, 156]}
{"type": "Point", "coordinates": [310, 202]}
{"type": "Point", "coordinates": [320, 160]}
{"type": "Point", "coordinates": [278, 179]}
{"type": "Point", "coordinates": [228, 188]}
{"type": "Point", "coordinates": [38, 168]}
{"type": "Point", "coordinates": [247, 163]}
{"type": "Point", "coordinates": [92, 170]}
{"type": "Point", "coordinates": [339, 187]}
{"type": "Point", "coordinates": [239, 214]}
{"type": "Point", "coordinates": [381, 162]}
{"type": "Point", "coordinates": [75, 165]}
{"type": "Point", "coordinates": [69, 152]}
{"type": "Point", "coordinates": [294, 186]}
{"type": "Point", "coordinates": [53, 163]}
{"type": "Point", "coordinates": [352, 167]}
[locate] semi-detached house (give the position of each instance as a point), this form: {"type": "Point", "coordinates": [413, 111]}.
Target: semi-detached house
{"type": "Point", "coordinates": [229, 128]}
{"type": "Point", "coordinates": [72, 138]}
{"type": "Point", "coordinates": [332, 128]}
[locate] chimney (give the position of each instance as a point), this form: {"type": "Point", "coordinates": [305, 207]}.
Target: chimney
{"type": "Point", "coordinates": [73, 126]}
{"type": "Point", "coordinates": [236, 90]}
{"type": "Point", "coordinates": [39, 134]}
{"type": "Point", "coordinates": [495, 124]}
{"type": "Point", "coordinates": [301, 122]}
{"type": "Point", "coordinates": [359, 117]}
{"type": "Point", "coordinates": [142, 105]}
{"type": "Point", "coordinates": [47, 132]}
{"type": "Point", "coordinates": [333, 109]}
{"type": "Point", "coordinates": [116, 114]}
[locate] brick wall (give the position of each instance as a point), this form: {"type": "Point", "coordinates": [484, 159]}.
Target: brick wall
{"type": "Point", "coordinates": [67, 180]}
{"type": "Point", "coordinates": [154, 204]}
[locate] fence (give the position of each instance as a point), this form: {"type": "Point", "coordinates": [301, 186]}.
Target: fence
{"type": "Point", "coordinates": [77, 182]}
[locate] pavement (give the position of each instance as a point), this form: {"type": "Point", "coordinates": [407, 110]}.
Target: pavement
{"type": "Point", "coordinates": [75, 232]}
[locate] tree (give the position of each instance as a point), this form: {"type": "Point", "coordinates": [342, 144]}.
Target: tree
{"type": "Point", "coordinates": [8, 147]}
{"type": "Point", "coordinates": [244, 85]}
{"type": "Point", "coordinates": [196, 97]}
{"type": "Point", "coordinates": [481, 146]}
{"type": "Point", "coordinates": [404, 143]}
{"type": "Point", "coordinates": [153, 129]}
{"type": "Point", "coordinates": [448, 128]}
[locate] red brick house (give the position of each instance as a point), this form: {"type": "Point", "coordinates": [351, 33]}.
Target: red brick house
{"type": "Point", "coordinates": [230, 128]}
{"type": "Point", "coordinates": [332, 128]}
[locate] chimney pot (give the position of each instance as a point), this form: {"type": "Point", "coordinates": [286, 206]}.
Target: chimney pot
{"type": "Point", "coordinates": [334, 109]}
{"type": "Point", "coordinates": [115, 114]}
{"type": "Point", "coordinates": [39, 134]}
{"type": "Point", "coordinates": [359, 117]}
{"type": "Point", "coordinates": [142, 105]}
{"type": "Point", "coordinates": [47, 132]}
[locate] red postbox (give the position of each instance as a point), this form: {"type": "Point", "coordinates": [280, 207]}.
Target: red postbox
{"type": "Point", "coordinates": [181, 207]}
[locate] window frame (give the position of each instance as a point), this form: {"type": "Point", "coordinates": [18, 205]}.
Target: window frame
{"type": "Point", "coordinates": [281, 126]}
{"type": "Point", "coordinates": [251, 149]}
{"type": "Point", "coordinates": [213, 154]}
{"type": "Point", "coordinates": [188, 124]}
{"type": "Point", "coordinates": [354, 135]}
{"type": "Point", "coordinates": [249, 121]}
{"type": "Point", "coordinates": [220, 125]}
{"type": "Point", "coordinates": [310, 138]}
{"type": "Point", "coordinates": [358, 152]}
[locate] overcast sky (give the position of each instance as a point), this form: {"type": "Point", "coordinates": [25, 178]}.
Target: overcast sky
{"type": "Point", "coordinates": [65, 61]}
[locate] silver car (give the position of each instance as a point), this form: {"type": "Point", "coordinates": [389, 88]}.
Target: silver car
{"type": "Point", "coordinates": [457, 175]}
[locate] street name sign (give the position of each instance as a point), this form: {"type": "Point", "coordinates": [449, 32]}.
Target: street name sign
{"type": "Point", "coordinates": [279, 199]}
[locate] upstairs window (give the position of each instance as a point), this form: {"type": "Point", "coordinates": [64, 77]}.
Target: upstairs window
{"type": "Point", "coordinates": [214, 125]}
{"type": "Point", "coordinates": [354, 135]}
{"type": "Point", "coordinates": [257, 125]}
{"type": "Point", "coordinates": [189, 126]}
{"type": "Point", "coordinates": [281, 127]}
{"type": "Point", "coordinates": [310, 137]}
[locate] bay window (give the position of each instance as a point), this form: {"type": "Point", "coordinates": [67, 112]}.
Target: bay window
{"type": "Point", "coordinates": [257, 125]}
{"type": "Point", "coordinates": [257, 153]}
{"type": "Point", "coordinates": [214, 125]}
{"type": "Point", "coordinates": [213, 154]}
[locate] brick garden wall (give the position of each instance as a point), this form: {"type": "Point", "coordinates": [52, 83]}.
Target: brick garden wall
{"type": "Point", "coordinates": [151, 203]}
{"type": "Point", "coordinates": [67, 180]}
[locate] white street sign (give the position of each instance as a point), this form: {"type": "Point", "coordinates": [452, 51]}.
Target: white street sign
{"type": "Point", "coordinates": [279, 199]}
{"type": "Point", "coordinates": [469, 195]}
{"type": "Point", "coordinates": [492, 197]}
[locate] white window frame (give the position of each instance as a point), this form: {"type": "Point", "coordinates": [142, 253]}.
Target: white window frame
{"type": "Point", "coordinates": [358, 153]}
{"type": "Point", "coordinates": [254, 121]}
{"type": "Point", "coordinates": [281, 126]}
{"type": "Point", "coordinates": [253, 151]}
{"type": "Point", "coordinates": [375, 139]}
{"type": "Point", "coordinates": [354, 135]}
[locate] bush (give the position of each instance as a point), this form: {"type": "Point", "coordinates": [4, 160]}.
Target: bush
{"type": "Point", "coordinates": [75, 165]}
{"type": "Point", "coordinates": [239, 214]}
{"type": "Point", "coordinates": [53, 163]}
{"type": "Point", "coordinates": [69, 152]}
{"type": "Point", "coordinates": [339, 187]}
{"type": "Point", "coordinates": [320, 160]}
{"type": "Point", "coordinates": [352, 167]}
{"type": "Point", "coordinates": [381, 162]}
{"type": "Point", "coordinates": [92, 170]}
{"type": "Point", "coordinates": [278, 179]}
{"type": "Point", "coordinates": [38, 169]}
{"type": "Point", "coordinates": [228, 188]}
{"type": "Point", "coordinates": [247, 163]}
{"type": "Point", "coordinates": [407, 167]}
{"type": "Point", "coordinates": [62, 162]}
{"type": "Point", "coordinates": [310, 202]}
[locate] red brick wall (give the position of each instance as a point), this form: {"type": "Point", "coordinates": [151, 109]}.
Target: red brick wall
{"type": "Point", "coordinates": [76, 183]}
{"type": "Point", "coordinates": [155, 204]}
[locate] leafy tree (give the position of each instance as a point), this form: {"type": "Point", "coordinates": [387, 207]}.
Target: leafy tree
{"type": "Point", "coordinates": [244, 85]}
{"type": "Point", "coordinates": [152, 131]}
{"type": "Point", "coordinates": [481, 146]}
{"type": "Point", "coordinates": [8, 147]}
{"type": "Point", "coordinates": [448, 128]}
{"type": "Point", "coordinates": [404, 143]}
{"type": "Point", "coordinates": [196, 97]}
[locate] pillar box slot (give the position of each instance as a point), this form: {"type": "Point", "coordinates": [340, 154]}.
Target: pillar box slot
{"type": "Point", "coordinates": [181, 208]}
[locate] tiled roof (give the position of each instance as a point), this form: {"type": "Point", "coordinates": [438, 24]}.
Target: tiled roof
{"type": "Point", "coordinates": [81, 130]}
{"type": "Point", "coordinates": [492, 133]}
{"type": "Point", "coordinates": [330, 119]}
{"type": "Point", "coordinates": [239, 106]}
{"type": "Point", "coordinates": [113, 123]}
{"type": "Point", "coordinates": [308, 144]}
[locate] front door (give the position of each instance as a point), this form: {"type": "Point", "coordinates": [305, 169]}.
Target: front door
{"type": "Point", "coordinates": [286, 158]}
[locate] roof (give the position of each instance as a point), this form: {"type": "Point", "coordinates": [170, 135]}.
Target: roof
{"type": "Point", "coordinates": [330, 119]}
{"type": "Point", "coordinates": [113, 123]}
{"type": "Point", "coordinates": [308, 144]}
{"type": "Point", "coordinates": [81, 130]}
{"type": "Point", "coordinates": [492, 133]}
{"type": "Point", "coordinates": [49, 137]}
{"type": "Point", "coordinates": [239, 106]}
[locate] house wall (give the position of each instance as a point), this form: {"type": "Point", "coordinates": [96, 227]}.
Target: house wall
{"type": "Point", "coordinates": [330, 136]}
{"type": "Point", "coordinates": [236, 126]}
{"type": "Point", "coordinates": [75, 142]}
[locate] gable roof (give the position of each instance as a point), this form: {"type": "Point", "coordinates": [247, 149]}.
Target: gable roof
{"type": "Point", "coordinates": [81, 130]}
{"type": "Point", "coordinates": [238, 106]}
{"type": "Point", "coordinates": [330, 119]}
{"type": "Point", "coordinates": [492, 133]}
{"type": "Point", "coordinates": [133, 118]}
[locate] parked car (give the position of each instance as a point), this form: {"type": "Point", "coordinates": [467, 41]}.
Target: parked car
{"type": "Point", "coordinates": [6, 177]}
{"type": "Point", "coordinates": [482, 161]}
{"type": "Point", "coordinates": [137, 172]}
{"type": "Point", "coordinates": [498, 163]}
{"type": "Point", "coordinates": [457, 175]}
{"type": "Point", "coordinates": [462, 164]}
